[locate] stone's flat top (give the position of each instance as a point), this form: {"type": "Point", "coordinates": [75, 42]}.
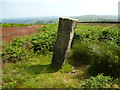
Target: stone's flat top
{"type": "Point", "coordinates": [69, 18]}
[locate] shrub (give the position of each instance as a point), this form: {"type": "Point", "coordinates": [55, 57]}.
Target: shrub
{"type": "Point", "coordinates": [40, 43]}
{"type": "Point", "coordinates": [44, 42]}
{"type": "Point", "coordinates": [98, 46]}
{"type": "Point", "coordinates": [88, 32]}
{"type": "Point", "coordinates": [110, 33]}
{"type": "Point", "coordinates": [107, 59]}
{"type": "Point", "coordinates": [13, 25]}
{"type": "Point", "coordinates": [13, 54]}
{"type": "Point", "coordinates": [98, 33]}
{"type": "Point", "coordinates": [15, 51]}
{"type": "Point", "coordinates": [99, 81]}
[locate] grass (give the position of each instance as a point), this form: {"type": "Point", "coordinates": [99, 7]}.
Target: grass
{"type": "Point", "coordinates": [38, 73]}
{"type": "Point", "coordinates": [91, 45]}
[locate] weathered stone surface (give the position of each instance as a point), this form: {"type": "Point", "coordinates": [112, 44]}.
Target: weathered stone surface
{"type": "Point", "coordinates": [65, 35]}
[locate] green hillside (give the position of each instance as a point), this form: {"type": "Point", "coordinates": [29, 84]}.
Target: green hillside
{"type": "Point", "coordinates": [48, 20]}
{"type": "Point", "coordinates": [93, 61]}
{"type": "Point", "coordinates": [108, 18]}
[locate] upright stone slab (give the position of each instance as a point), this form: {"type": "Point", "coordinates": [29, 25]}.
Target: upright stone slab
{"type": "Point", "coordinates": [65, 35]}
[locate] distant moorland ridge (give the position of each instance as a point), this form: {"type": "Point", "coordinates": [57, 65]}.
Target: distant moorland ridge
{"type": "Point", "coordinates": [46, 20]}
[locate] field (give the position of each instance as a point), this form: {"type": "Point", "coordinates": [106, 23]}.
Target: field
{"type": "Point", "coordinates": [93, 61]}
{"type": "Point", "coordinates": [9, 33]}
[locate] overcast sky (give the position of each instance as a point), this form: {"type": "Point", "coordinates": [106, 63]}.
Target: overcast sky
{"type": "Point", "coordinates": [38, 8]}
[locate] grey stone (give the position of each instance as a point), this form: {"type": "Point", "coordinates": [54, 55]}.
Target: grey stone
{"type": "Point", "coordinates": [65, 35]}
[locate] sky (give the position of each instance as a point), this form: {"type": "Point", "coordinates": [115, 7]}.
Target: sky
{"type": "Point", "coordinates": [42, 8]}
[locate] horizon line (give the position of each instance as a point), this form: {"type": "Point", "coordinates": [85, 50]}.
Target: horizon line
{"type": "Point", "coordinates": [56, 16]}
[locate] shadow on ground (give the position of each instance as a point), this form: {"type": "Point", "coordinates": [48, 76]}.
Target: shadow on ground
{"type": "Point", "coordinates": [77, 63]}
{"type": "Point", "coordinates": [37, 69]}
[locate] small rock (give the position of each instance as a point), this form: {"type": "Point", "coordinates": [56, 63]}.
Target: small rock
{"type": "Point", "coordinates": [74, 71]}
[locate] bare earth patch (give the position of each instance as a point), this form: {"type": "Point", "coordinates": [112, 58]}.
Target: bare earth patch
{"type": "Point", "coordinates": [8, 34]}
